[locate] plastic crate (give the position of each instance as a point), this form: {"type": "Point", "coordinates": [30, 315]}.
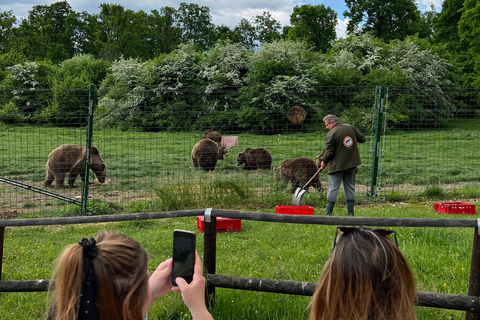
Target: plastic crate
{"type": "Point", "coordinates": [454, 208]}
{"type": "Point", "coordinates": [223, 224]}
{"type": "Point", "coordinates": [299, 210]}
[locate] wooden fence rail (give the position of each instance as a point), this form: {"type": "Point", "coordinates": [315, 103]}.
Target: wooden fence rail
{"type": "Point", "coordinates": [470, 303]}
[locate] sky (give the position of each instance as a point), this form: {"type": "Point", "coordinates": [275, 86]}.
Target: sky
{"type": "Point", "coordinates": [226, 12]}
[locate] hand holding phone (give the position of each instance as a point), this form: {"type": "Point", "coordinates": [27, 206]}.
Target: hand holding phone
{"type": "Point", "coordinates": [183, 261]}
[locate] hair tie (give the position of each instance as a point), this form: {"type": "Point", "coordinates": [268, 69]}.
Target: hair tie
{"type": "Point", "coordinates": [88, 295]}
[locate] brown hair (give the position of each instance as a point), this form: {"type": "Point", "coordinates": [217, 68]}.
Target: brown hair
{"type": "Point", "coordinates": [365, 278]}
{"type": "Point", "coordinates": [121, 273]}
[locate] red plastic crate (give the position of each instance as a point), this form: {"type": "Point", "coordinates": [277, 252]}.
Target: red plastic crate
{"type": "Point", "coordinates": [300, 210]}
{"type": "Point", "coordinates": [454, 208]}
{"type": "Point", "coordinates": [223, 224]}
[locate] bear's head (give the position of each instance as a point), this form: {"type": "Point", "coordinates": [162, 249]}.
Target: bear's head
{"type": "Point", "coordinates": [241, 158]}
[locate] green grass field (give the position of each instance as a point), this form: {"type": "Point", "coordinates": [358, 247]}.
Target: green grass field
{"type": "Point", "coordinates": [439, 257]}
{"type": "Point", "coordinates": [412, 164]}
{"type": "Point", "coordinates": [152, 172]}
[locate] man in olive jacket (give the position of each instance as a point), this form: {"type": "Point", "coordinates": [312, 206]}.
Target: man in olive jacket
{"type": "Point", "coordinates": [342, 158]}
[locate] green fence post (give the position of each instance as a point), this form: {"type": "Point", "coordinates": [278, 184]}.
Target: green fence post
{"type": "Point", "coordinates": [91, 100]}
{"type": "Point", "coordinates": [376, 149]}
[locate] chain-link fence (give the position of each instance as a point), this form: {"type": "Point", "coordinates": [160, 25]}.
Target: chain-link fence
{"type": "Point", "coordinates": [424, 137]}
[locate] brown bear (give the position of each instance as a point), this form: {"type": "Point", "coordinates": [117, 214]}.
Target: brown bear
{"type": "Point", "coordinates": [255, 158]}
{"type": "Point", "coordinates": [205, 154]}
{"type": "Point", "coordinates": [213, 135]}
{"type": "Point", "coordinates": [298, 171]}
{"type": "Point", "coordinates": [70, 158]}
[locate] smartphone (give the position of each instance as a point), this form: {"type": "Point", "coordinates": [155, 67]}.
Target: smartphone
{"type": "Point", "coordinates": [183, 255]}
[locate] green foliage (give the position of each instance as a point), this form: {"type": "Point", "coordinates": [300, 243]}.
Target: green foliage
{"type": "Point", "coordinates": [121, 32]}
{"type": "Point", "coordinates": [7, 21]}
{"type": "Point", "coordinates": [434, 191]}
{"type": "Point", "coordinates": [165, 36]}
{"type": "Point", "coordinates": [468, 31]}
{"type": "Point", "coordinates": [313, 24]}
{"type": "Point", "coordinates": [45, 34]}
{"type": "Point", "coordinates": [196, 24]}
{"type": "Point", "coordinates": [446, 23]}
{"type": "Point", "coordinates": [9, 114]}
{"type": "Point", "coordinates": [266, 27]}
{"type": "Point", "coordinates": [409, 63]}
{"type": "Point", "coordinates": [246, 34]}
{"type": "Point", "coordinates": [393, 20]}
{"type": "Point", "coordinates": [79, 72]}
{"type": "Point", "coordinates": [29, 79]}
{"type": "Point", "coordinates": [208, 191]}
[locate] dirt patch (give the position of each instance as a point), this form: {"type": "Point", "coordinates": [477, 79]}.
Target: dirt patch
{"type": "Point", "coordinates": [15, 201]}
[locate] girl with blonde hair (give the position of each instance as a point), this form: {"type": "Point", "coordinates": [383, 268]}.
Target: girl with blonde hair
{"type": "Point", "coordinates": [365, 278]}
{"type": "Point", "coordinates": [107, 278]}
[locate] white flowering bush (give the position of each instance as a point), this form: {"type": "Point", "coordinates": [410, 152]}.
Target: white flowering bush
{"type": "Point", "coordinates": [27, 79]}
{"type": "Point", "coordinates": [123, 95]}
{"type": "Point", "coordinates": [224, 66]}
{"type": "Point", "coordinates": [25, 75]}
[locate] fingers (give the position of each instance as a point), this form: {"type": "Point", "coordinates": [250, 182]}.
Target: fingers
{"type": "Point", "coordinates": [181, 283]}
{"type": "Point", "coordinates": [198, 265]}
{"type": "Point", "coordinates": [164, 265]}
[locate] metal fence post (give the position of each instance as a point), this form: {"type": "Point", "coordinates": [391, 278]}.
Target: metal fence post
{"type": "Point", "coordinates": [91, 100]}
{"type": "Point", "coordinates": [376, 149]}
{"type": "Point", "coordinates": [2, 237]}
{"type": "Point", "coordinates": [474, 282]}
{"type": "Point", "coordinates": [210, 253]}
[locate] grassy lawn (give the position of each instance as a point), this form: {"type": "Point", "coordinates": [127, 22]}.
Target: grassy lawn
{"type": "Point", "coordinates": [153, 172]}
{"type": "Point", "coordinates": [439, 257]}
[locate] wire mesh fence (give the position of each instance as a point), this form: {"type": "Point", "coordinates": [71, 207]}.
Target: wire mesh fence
{"type": "Point", "coordinates": [428, 137]}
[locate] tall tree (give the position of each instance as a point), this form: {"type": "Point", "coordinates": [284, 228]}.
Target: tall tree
{"type": "Point", "coordinates": [385, 19]}
{"type": "Point", "coordinates": [469, 31]}
{"type": "Point", "coordinates": [268, 29]}
{"type": "Point", "coordinates": [196, 24]}
{"type": "Point", "coordinates": [7, 21]}
{"type": "Point", "coordinates": [223, 32]}
{"type": "Point", "coordinates": [44, 33]}
{"type": "Point", "coordinates": [313, 24]}
{"type": "Point", "coordinates": [246, 33]}
{"type": "Point", "coordinates": [122, 33]}
{"type": "Point", "coordinates": [445, 24]}
{"type": "Point", "coordinates": [83, 28]}
{"type": "Point", "coordinates": [165, 35]}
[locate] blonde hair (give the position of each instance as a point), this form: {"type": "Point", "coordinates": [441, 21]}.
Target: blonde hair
{"type": "Point", "coordinates": [121, 273]}
{"type": "Point", "coordinates": [365, 278]}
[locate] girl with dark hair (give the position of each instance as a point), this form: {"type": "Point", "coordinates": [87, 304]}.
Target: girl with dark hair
{"type": "Point", "coordinates": [107, 278]}
{"type": "Point", "coordinates": [365, 278]}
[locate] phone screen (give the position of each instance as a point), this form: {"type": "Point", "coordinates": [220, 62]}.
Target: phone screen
{"type": "Point", "coordinates": [183, 255]}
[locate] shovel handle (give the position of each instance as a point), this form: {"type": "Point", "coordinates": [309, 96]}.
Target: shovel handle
{"type": "Point", "coordinates": [318, 171]}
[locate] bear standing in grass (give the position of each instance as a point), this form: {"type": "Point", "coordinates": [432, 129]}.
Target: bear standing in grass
{"type": "Point", "coordinates": [298, 171]}
{"type": "Point", "coordinates": [213, 135]}
{"type": "Point", "coordinates": [70, 158]}
{"type": "Point", "coordinates": [255, 158]}
{"type": "Point", "coordinates": [206, 153]}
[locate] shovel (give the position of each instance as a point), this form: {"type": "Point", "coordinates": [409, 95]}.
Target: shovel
{"type": "Point", "coordinates": [298, 194]}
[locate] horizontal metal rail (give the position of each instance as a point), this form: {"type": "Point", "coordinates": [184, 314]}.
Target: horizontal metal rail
{"type": "Point", "coordinates": [38, 190]}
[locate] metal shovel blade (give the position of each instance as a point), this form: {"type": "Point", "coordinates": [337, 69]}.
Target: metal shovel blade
{"type": "Point", "coordinates": [298, 195]}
